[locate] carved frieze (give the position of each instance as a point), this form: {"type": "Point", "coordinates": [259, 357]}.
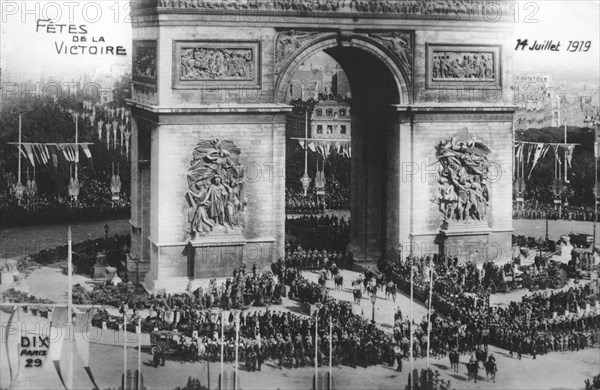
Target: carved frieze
{"type": "Point", "coordinates": [400, 45]}
{"type": "Point", "coordinates": [144, 62]}
{"type": "Point", "coordinates": [463, 65]}
{"type": "Point", "coordinates": [215, 194]}
{"type": "Point", "coordinates": [201, 64]}
{"type": "Point", "coordinates": [462, 193]}
{"type": "Point", "coordinates": [449, 8]}
{"type": "Point", "coordinates": [289, 42]}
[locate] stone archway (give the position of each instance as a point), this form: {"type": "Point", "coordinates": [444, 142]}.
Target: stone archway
{"type": "Point", "coordinates": [209, 71]}
{"type": "Point", "coordinates": [379, 80]}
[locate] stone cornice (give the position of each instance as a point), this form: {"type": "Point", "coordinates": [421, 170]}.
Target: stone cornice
{"type": "Point", "coordinates": [231, 108]}
{"type": "Point", "coordinates": [454, 107]}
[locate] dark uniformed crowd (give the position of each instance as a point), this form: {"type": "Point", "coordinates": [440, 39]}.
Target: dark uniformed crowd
{"type": "Point", "coordinates": [324, 232]}
{"type": "Point", "coordinates": [532, 209]}
{"type": "Point", "coordinates": [535, 325]}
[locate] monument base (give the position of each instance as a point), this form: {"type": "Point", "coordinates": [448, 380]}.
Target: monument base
{"type": "Point", "coordinates": [466, 240]}
{"type": "Point", "coordinates": [214, 255]}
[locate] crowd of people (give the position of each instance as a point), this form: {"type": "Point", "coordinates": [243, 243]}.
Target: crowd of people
{"type": "Point", "coordinates": [94, 202]}
{"type": "Point", "coordinates": [327, 232]}
{"type": "Point", "coordinates": [530, 326]}
{"type": "Point", "coordinates": [532, 209]}
{"type": "Point", "coordinates": [297, 203]}
{"type": "Point", "coordinates": [283, 337]}
{"type": "Point", "coordinates": [315, 259]}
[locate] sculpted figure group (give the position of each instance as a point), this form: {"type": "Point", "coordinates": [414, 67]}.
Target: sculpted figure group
{"type": "Point", "coordinates": [463, 175]}
{"type": "Point", "coordinates": [216, 64]}
{"type": "Point", "coordinates": [463, 66]}
{"type": "Point", "coordinates": [215, 194]}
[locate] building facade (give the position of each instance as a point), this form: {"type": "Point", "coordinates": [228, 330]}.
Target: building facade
{"type": "Point", "coordinates": [327, 120]}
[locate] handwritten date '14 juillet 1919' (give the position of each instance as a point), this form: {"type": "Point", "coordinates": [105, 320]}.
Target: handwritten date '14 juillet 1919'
{"type": "Point", "coordinates": [550, 45]}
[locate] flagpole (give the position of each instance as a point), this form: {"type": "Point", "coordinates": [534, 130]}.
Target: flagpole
{"type": "Point", "coordinates": [124, 349]}
{"type": "Point", "coordinates": [237, 341]}
{"type": "Point", "coordinates": [70, 305]}
{"type": "Point", "coordinates": [76, 143]}
{"type": "Point", "coordinates": [330, 351]}
{"type": "Point", "coordinates": [222, 347]}
{"type": "Point", "coordinates": [565, 176]}
{"type": "Point", "coordinates": [19, 184]}
{"type": "Point", "coordinates": [20, 146]}
{"type": "Point", "coordinates": [410, 337]}
{"type": "Point", "coordinates": [316, 347]}
{"type": "Point", "coordinates": [139, 373]}
{"type": "Point", "coordinates": [429, 326]}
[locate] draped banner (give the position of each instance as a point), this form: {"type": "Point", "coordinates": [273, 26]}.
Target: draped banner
{"type": "Point", "coordinates": [57, 336]}
{"type": "Point", "coordinates": [86, 151]}
{"type": "Point", "coordinates": [537, 150]}
{"type": "Point", "coordinates": [83, 322]}
{"type": "Point", "coordinates": [12, 342]}
{"type": "Point", "coordinates": [324, 146]}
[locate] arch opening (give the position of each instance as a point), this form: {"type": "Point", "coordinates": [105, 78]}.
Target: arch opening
{"type": "Point", "coordinates": [373, 122]}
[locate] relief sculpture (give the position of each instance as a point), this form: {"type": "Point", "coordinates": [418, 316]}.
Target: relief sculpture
{"type": "Point", "coordinates": [215, 194]}
{"type": "Point", "coordinates": [144, 63]}
{"type": "Point", "coordinates": [463, 65]}
{"type": "Point", "coordinates": [400, 44]}
{"type": "Point", "coordinates": [205, 63]}
{"type": "Point", "coordinates": [289, 42]}
{"type": "Point", "coordinates": [403, 7]}
{"type": "Point", "coordinates": [462, 193]}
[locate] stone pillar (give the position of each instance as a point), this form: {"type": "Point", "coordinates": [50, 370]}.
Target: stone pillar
{"type": "Point", "coordinates": [258, 130]}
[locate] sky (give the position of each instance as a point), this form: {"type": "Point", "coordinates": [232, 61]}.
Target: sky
{"type": "Point", "coordinates": [560, 21]}
{"type": "Point", "coordinates": [24, 50]}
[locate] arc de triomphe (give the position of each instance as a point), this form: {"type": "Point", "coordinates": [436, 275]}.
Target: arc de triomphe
{"type": "Point", "coordinates": [431, 117]}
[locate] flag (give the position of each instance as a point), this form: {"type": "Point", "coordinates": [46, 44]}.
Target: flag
{"type": "Point", "coordinates": [538, 151]}
{"type": "Point", "coordinates": [57, 333]}
{"type": "Point", "coordinates": [530, 152]}
{"type": "Point", "coordinates": [29, 151]}
{"type": "Point", "coordinates": [86, 151]}
{"type": "Point", "coordinates": [311, 146]}
{"type": "Point", "coordinates": [546, 148]}
{"type": "Point", "coordinates": [570, 149]}
{"type": "Point", "coordinates": [36, 153]}
{"type": "Point", "coordinates": [301, 141]}
{"type": "Point", "coordinates": [22, 150]}
{"type": "Point", "coordinates": [555, 148]}
{"type": "Point", "coordinates": [13, 355]}
{"type": "Point", "coordinates": [45, 151]}
{"type": "Point", "coordinates": [54, 156]}
{"type": "Point", "coordinates": [108, 126]}
{"type": "Point", "coordinates": [83, 322]}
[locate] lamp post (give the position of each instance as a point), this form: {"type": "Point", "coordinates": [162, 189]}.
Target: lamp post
{"type": "Point", "coordinates": [373, 300]}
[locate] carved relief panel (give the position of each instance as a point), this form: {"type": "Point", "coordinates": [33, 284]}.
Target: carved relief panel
{"type": "Point", "coordinates": [145, 58]}
{"type": "Point", "coordinates": [463, 170]}
{"type": "Point", "coordinates": [462, 66]}
{"type": "Point", "coordinates": [215, 196]}
{"type": "Point", "coordinates": [216, 64]}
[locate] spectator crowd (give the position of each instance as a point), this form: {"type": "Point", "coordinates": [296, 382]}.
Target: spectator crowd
{"type": "Point", "coordinates": [532, 209]}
